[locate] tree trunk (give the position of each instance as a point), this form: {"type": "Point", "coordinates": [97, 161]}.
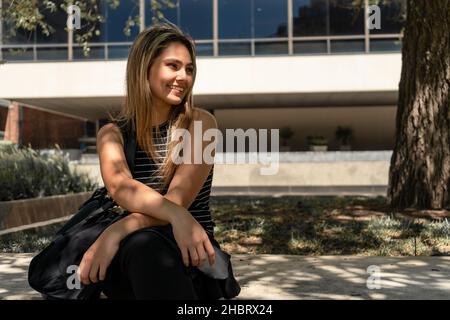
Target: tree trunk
{"type": "Point", "coordinates": [419, 175]}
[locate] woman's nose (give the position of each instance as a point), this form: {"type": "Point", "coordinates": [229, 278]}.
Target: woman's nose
{"type": "Point", "coordinates": [181, 74]}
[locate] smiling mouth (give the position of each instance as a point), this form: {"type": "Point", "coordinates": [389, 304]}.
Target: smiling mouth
{"type": "Point", "coordinates": [177, 89]}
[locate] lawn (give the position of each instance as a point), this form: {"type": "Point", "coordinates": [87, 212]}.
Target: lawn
{"type": "Point", "coordinates": [328, 226]}
{"type": "Point", "coordinates": [305, 226]}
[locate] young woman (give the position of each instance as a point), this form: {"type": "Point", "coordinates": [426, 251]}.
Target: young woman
{"type": "Point", "coordinates": [130, 260]}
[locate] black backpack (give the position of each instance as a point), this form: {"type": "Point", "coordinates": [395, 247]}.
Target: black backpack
{"type": "Point", "coordinates": [53, 271]}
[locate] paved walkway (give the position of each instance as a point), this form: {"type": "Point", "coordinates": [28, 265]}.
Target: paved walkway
{"type": "Point", "coordinates": [298, 277]}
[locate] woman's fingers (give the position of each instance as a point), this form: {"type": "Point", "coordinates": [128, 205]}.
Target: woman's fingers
{"type": "Point", "coordinates": [185, 255]}
{"type": "Point", "coordinates": [194, 256]}
{"type": "Point", "coordinates": [201, 255]}
{"type": "Point", "coordinates": [84, 270]}
{"type": "Point", "coordinates": [102, 271]}
{"type": "Point", "coordinates": [93, 274]}
{"type": "Point", "coordinates": [210, 252]}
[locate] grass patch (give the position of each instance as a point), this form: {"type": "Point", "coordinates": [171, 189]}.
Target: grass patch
{"type": "Point", "coordinates": [305, 226]}
{"type": "Point", "coordinates": [327, 226]}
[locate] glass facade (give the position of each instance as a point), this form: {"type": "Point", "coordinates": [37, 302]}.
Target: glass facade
{"type": "Point", "coordinates": [244, 28]}
{"type": "Point", "coordinates": [270, 18]}
{"type": "Point", "coordinates": [235, 19]}
{"type": "Point", "coordinates": [113, 29]}
{"type": "Point", "coordinates": [392, 14]}
{"type": "Point", "coordinates": [310, 18]}
{"type": "Point", "coordinates": [346, 17]}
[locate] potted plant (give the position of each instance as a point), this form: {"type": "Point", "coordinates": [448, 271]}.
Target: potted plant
{"type": "Point", "coordinates": [317, 143]}
{"type": "Point", "coordinates": [285, 134]}
{"type": "Point", "coordinates": [344, 135]}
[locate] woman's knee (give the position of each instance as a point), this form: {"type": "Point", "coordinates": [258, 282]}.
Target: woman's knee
{"type": "Point", "coordinates": [148, 248]}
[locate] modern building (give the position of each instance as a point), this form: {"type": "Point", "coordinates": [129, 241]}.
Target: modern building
{"type": "Point", "coordinates": [312, 65]}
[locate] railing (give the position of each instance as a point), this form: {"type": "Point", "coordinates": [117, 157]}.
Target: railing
{"type": "Point", "coordinates": [119, 50]}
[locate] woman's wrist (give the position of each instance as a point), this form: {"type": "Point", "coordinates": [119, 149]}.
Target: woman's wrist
{"type": "Point", "coordinates": [133, 222]}
{"type": "Point", "coordinates": [117, 230]}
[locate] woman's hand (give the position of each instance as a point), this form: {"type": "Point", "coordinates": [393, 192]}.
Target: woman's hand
{"type": "Point", "coordinates": [98, 257]}
{"type": "Point", "coordinates": [192, 240]}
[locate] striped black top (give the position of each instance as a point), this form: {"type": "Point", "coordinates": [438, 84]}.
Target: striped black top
{"type": "Point", "coordinates": [145, 171]}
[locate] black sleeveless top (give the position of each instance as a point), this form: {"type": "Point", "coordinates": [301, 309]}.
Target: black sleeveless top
{"type": "Point", "coordinates": [145, 171]}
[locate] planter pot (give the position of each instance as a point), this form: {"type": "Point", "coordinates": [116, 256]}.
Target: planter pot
{"type": "Point", "coordinates": [318, 148]}
{"type": "Point", "coordinates": [17, 213]}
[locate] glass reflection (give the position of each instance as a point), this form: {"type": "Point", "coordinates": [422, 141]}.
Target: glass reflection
{"type": "Point", "coordinates": [271, 48]}
{"type": "Point", "coordinates": [196, 18]}
{"type": "Point", "coordinates": [392, 16]}
{"type": "Point", "coordinates": [346, 17]}
{"type": "Point", "coordinates": [310, 47]}
{"type": "Point", "coordinates": [310, 18]}
{"type": "Point", "coordinates": [235, 49]}
{"type": "Point", "coordinates": [270, 18]}
{"type": "Point", "coordinates": [235, 18]}
{"type": "Point", "coordinates": [343, 46]}
{"type": "Point", "coordinates": [116, 20]}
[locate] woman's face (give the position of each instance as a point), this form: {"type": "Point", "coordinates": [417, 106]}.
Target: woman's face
{"type": "Point", "coordinates": [171, 75]}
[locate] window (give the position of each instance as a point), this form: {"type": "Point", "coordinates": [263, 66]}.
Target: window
{"type": "Point", "coordinates": [116, 21]}
{"type": "Point", "coordinates": [343, 46]}
{"type": "Point", "coordinates": [310, 18]}
{"type": "Point", "coordinates": [95, 53]}
{"type": "Point", "coordinates": [58, 21]}
{"type": "Point", "coordinates": [17, 54]}
{"type": "Point", "coordinates": [270, 18]}
{"type": "Point", "coordinates": [271, 48]}
{"type": "Point", "coordinates": [392, 16]}
{"type": "Point", "coordinates": [346, 17]}
{"type": "Point", "coordinates": [55, 53]}
{"type": "Point", "coordinates": [235, 49]}
{"type": "Point", "coordinates": [235, 19]}
{"type": "Point", "coordinates": [169, 13]}
{"type": "Point", "coordinates": [310, 47]}
{"type": "Point", "coordinates": [387, 45]}
{"type": "Point", "coordinates": [196, 18]}
{"type": "Point", "coordinates": [204, 49]}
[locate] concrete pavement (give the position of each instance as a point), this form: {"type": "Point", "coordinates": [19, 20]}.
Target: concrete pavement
{"type": "Point", "coordinates": [299, 277]}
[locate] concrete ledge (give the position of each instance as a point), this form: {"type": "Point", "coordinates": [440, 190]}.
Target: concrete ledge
{"type": "Point", "coordinates": [300, 190]}
{"type": "Point", "coordinates": [291, 277]}
{"type": "Point", "coordinates": [24, 212]}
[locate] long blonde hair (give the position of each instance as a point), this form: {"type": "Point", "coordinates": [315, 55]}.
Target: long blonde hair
{"type": "Point", "coordinates": [137, 110]}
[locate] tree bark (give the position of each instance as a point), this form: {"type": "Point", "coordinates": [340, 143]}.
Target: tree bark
{"type": "Point", "coordinates": [419, 175]}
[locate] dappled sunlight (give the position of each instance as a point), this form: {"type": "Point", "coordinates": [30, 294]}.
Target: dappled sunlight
{"type": "Point", "coordinates": [341, 277]}
{"type": "Point", "coordinates": [292, 277]}
{"type": "Point", "coordinates": [14, 277]}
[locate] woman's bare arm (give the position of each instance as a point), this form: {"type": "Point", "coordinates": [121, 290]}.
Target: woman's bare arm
{"type": "Point", "coordinates": [130, 194]}
{"type": "Point", "coordinates": [184, 187]}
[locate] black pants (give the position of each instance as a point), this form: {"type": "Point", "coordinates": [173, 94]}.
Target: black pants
{"type": "Point", "coordinates": [147, 267]}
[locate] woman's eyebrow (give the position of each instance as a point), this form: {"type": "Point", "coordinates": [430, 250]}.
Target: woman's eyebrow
{"type": "Point", "coordinates": [177, 61]}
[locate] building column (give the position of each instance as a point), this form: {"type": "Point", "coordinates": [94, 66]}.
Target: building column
{"type": "Point", "coordinates": [14, 123]}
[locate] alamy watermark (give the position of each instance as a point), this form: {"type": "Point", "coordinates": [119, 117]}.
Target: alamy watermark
{"type": "Point", "coordinates": [73, 280]}
{"type": "Point", "coordinates": [74, 17]}
{"type": "Point", "coordinates": [374, 279]}
{"type": "Point", "coordinates": [189, 149]}
{"type": "Point", "coordinates": [373, 17]}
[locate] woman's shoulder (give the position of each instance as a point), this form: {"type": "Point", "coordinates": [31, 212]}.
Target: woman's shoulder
{"type": "Point", "coordinates": [207, 118]}
{"type": "Point", "coordinates": [110, 130]}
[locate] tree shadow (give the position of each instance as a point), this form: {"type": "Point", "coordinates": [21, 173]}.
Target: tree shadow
{"type": "Point", "coordinates": [14, 277]}
{"type": "Point", "coordinates": [341, 277]}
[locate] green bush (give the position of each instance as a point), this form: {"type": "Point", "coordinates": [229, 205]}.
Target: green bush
{"type": "Point", "coordinates": [26, 173]}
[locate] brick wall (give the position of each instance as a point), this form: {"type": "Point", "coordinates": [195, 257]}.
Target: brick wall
{"type": "Point", "coordinates": [3, 115]}
{"type": "Point", "coordinates": [44, 129]}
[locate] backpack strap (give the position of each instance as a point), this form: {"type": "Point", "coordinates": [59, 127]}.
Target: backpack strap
{"type": "Point", "coordinates": [129, 143]}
